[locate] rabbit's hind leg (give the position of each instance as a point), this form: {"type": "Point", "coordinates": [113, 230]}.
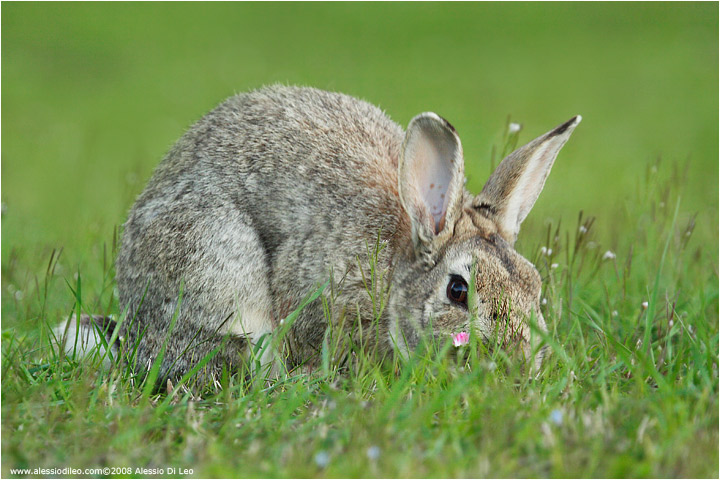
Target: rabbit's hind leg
{"type": "Point", "coordinates": [241, 278]}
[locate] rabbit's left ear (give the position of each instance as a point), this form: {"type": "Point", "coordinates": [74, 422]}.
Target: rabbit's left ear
{"type": "Point", "coordinates": [511, 191]}
{"type": "Point", "coordinates": [431, 178]}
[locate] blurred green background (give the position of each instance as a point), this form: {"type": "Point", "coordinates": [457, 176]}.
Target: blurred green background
{"type": "Point", "coordinates": [93, 94]}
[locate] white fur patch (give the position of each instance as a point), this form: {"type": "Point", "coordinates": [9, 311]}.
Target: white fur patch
{"type": "Point", "coordinates": [253, 324]}
{"type": "Point", "coordinates": [82, 342]}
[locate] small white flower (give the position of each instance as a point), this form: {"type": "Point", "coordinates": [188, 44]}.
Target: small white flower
{"type": "Point", "coordinates": [373, 453]}
{"type": "Point", "coordinates": [491, 366]}
{"type": "Point", "coordinates": [614, 313]}
{"type": "Point", "coordinates": [554, 266]}
{"type": "Point", "coordinates": [543, 250]}
{"type": "Point", "coordinates": [644, 305]}
{"type": "Point", "coordinates": [322, 459]}
{"type": "Point", "coordinates": [583, 229]}
{"type": "Point", "coordinates": [556, 416]}
{"type": "Point", "coordinates": [609, 255]}
{"type": "Point", "coordinates": [671, 323]}
{"type": "Point", "coordinates": [19, 295]}
{"type": "Point", "coordinates": [514, 127]}
{"type": "Point", "coordinates": [544, 301]}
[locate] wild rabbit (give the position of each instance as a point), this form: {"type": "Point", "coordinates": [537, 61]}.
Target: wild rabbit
{"type": "Point", "coordinates": [275, 189]}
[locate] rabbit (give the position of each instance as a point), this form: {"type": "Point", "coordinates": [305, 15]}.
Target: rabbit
{"type": "Point", "coordinates": [277, 190]}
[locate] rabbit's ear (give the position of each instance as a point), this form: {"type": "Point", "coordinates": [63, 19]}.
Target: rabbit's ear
{"type": "Point", "coordinates": [431, 177]}
{"type": "Point", "coordinates": [516, 183]}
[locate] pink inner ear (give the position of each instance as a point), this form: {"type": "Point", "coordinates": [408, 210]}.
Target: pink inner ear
{"type": "Point", "coordinates": [433, 165]}
{"type": "Point", "coordinates": [433, 179]}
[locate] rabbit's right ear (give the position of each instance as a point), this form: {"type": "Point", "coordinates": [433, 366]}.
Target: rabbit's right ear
{"type": "Point", "coordinates": [430, 181]}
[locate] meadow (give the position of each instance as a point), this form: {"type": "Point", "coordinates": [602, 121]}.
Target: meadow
{"type": "Point", "coordinates": [625, 236]}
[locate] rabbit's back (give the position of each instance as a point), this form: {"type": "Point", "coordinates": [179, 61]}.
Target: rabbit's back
{"type": "Point", "coordinates": [297, 160]}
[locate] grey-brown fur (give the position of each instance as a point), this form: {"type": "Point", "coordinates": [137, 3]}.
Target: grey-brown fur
{"type": "Point", "coordinates": [265, 195]}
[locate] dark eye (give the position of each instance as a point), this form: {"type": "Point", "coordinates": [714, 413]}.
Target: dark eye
{"type": "Point", "coordinates": [457, 290]}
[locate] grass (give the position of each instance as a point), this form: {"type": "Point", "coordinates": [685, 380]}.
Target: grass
{"type": "Point", "coordinates": [94, 94]}
{"type": "Point", "coordinates": [630, 389]}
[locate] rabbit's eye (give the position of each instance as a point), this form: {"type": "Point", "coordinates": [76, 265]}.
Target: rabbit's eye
{"type": "Point", "coordinates": [457, 290]}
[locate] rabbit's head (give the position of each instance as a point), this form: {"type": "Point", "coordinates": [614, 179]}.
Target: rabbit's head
{"type": "Point", "coordinates": [461, 242]}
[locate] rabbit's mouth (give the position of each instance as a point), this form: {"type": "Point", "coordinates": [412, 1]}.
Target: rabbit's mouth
{"type": "Point", "coordinates": [514, 353]}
